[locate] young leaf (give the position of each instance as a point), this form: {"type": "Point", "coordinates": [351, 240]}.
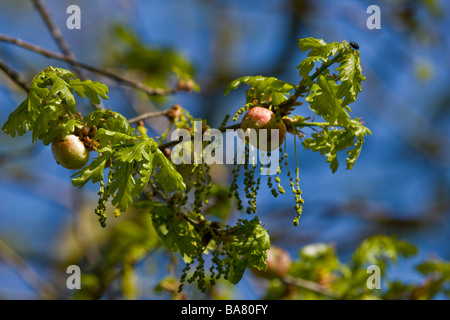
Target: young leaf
{"type": "Point", "coordinates": [145, 172]}
{"type": "Point", "coordinates": [326, 143]}
{"type": "Point", "coordinates": [23, 118]}
{"type": "Point", "coordinates": [19, 121]}
{"type": "Point", "coordinates": [316, 260]}
{"type": "Point", "coordinates": [62, 129]}
{"type": "Point", "coordinates": [310, 43]}
{"type": "Point", "coordinates": [141, 150]}
{"type": "Point", "coordinates": [320, 48]}
{"type": "Point", "coordinates": [45, 120]}
{"type": "Point", "coordinates": [109, 120]}
{"type": "Point", "coordinates": [323, 101]}
{"type": "Point", "coordinates": [104, 136]}
{"type": "Point", "coordinates": [155, 65]}
{"type": "Point", "coordinates": [249, 245]}
{"type": "Point", "coordinates": [64, 74]}
{"type": "Point", "coordinates": [94, 171]}
{"type": "Point", "coordinates": [435, 266]}
{"type": "Point", "coordinates": [50, 98]}
{"type": "Point", "coordinates": [350, 75]}
{"type": "Point", "coordinates": [92, 89]}
{"type": "Point", "coordinates": [167, 176]}
{"type": "Point", "coordinates": [359, 131]}
{"type": "Point", "coordinates": [61, 89]}
{"type": "Point", "coordinates": [271, 87]}
{"type": "Point", "coordinates": [175, 233]}
{"type": "Point", "coordinates": [122, 185]}
{"type": "Point", "coordinates": [307, 65]}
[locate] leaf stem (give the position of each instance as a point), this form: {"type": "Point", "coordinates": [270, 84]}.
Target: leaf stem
{"type": "Point", "coordinates": [285, 105]}
{"type": "Point", "coordinates": [315, 124]}
{"type": "Point", "coordinates": [125, 145]}
{"type": "Point", "coordinates": [238, 125]}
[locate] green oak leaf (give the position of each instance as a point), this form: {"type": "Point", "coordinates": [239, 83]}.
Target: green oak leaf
{"type": "Point", "coordinates": [91, 89]}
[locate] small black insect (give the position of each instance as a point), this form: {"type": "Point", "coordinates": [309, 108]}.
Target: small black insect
{"type": "Point", "coordinates": [354, 45]}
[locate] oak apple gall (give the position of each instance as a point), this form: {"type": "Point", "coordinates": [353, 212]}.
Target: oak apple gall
{"type": "Point", "coordinates": [261, 118]}
{"type": "Point", "coordinates": [70, 152]}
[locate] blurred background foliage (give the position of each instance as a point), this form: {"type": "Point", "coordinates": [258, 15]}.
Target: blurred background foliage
{"type": "Point", "coordinates": [399, 186]}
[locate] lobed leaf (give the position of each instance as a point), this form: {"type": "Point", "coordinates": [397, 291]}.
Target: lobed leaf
{"type": "Point", "coordinates": [91, 89]}
{"type": "Point", "coordinates": [249, 245]}
{"type": "Point", "coordinates": [330, 142]}
{"type": "Point", "coordinates": [24, 117]}
{"type": "Point", "coordinates": [122, 185]}
{"type": "Point", "coordinates": [50, 102]}
{"type": "Point", "coordinates": [169, 178]}
{"type": "Point", "coordinates": [60, 88]}
{"type": "Point", "coordinates": [175, 233]}
{"type": "Point", "coordinates": [307, 65]}
{"type": "Point", "coordinates": [324, 102]}
{"type": "Point", "coordinates": [320, 48]}
{"type": "Point", "coordinates": [269, 86]}
{"type": "Point", "coordinates": [104, 137]}
{"type": "Point", "coordinates": [350, 75]}
{"type": "Point", "coordinates": [145, 172]}
{"type": "Point", "coordinates": [94, 171]}
{"type": "Point", "coordinates": [138, 152]}
{"type": "Point", "coordinates": [310, 43]}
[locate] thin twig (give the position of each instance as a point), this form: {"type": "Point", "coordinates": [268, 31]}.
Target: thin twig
{"type": "Point", "coordinates": [284, 105]}
{"type": "Point", "coordinates": [148, 115]}
{"type": "Point", "coordinates": [315, 124]}
{"type": "Point", "coordinates": [56, 33]}
{"type": "Point", "coordinates": [175, 142]}
{"type": "Point", "coordinates": [26, 271]}
{"type": "Point", "coordinates": [14, 76]}
{"type": "Point", "coordinates": [104, 72]}
{"type": "Point", "coordinates": [238, 125]}
{"type": "Point", "coordinates": [163, 197]}
{"type": "Point", "coordinates": [311, 286]}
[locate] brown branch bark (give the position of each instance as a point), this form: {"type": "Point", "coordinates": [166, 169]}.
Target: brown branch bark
{"type": "Point", "coordinates": [26, 272]}
{"type": "Point", "coordinates": [51, 54]}
{"type": "Point", "coordinates": [14, 76]}
{"type": "Point", "coordinates": [56, 33]}
{"type": "Point", "coordinates": [311, 286]}
{"type": "Point", "coordinates": [148, 115]}
{"type": "Point", "coordinates": [175, 142]}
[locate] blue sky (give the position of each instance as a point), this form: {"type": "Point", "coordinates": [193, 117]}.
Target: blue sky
{"type": "Point", "coordinates": [390, 173]}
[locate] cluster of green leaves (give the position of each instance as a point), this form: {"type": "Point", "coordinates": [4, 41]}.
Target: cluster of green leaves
{"type": "Point", "coordinates": [231, 250]}
{"type": "Point", "coordinates": [128, 156]}
{"type": "Point", "coordinates": [49, 109]}
{"type": "Point", "coordinates": [266, 90]}
{"type": "Point", "coordinates": [319, 263]}
{"type": "Point", "coordinates": [246, 247]}
{"type": "Point", "coordinates": [137, 169]}
{"type": "Point", "coordinates": [175, 232]}
{"type": "Point", "coordinates": [328, 96]}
